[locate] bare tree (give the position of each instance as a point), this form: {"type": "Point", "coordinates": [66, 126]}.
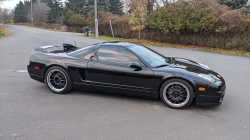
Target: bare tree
{"type": "Point", "coordinates": [5, 14]}
{"type": "Point", "coordinates": [161, 3]}
{"type": "Point", "coordinates": [150, 6]}
{"type": "Point", "coordinates": [40, 10]}
{"type": "Point", "coordinates": [130, 5]}
{"type": "Point", "coordinates": [126, 4]}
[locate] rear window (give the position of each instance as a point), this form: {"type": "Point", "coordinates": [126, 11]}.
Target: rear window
{"type": "Point", "coordinates": [80, 53]}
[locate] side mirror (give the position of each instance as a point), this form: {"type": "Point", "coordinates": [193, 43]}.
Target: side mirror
{"type": "Point", "coordinates": [135, 65]}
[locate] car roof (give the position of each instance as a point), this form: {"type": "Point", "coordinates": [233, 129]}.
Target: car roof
{"type": "Point", "coordinates": [118, 43]}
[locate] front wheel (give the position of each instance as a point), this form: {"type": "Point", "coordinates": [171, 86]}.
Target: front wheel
{"type": "Point", "coordinates": [58, 80]}
{"type": "Point", "coordinates": [176, 93]}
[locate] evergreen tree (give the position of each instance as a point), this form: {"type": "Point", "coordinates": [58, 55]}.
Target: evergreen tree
{"type": "Point", "coordinates": [76, 6]}
{"type": "Point", "coordinates": [54, 15]}
{"type": "Point", "coordinates": [27, 5]}
{"type": "Point", "coordinates": [90, 4]}
{"type": "Point", "coordinates": [20, 15]}
{"type": "Point", "coordinates": [116, 7]}
{"type": "Point", "coordinates": [85, 6]}
{"type": "Point", "coordinates": [246, 9]}
{"type": "Point", "coordinates": [234, 4]}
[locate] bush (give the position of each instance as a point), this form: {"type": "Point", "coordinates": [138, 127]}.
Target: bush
{"type": "Point", "coordinates": [224, 32]}
{"type": "Point", "coordinates": [120, 25]}
{"type": "Point", "coordinates": [192, 16]}
{"type": "Point", "coordinates": [8, 21]}
{"type": "Point", "coordinates": [51, 26]}
{"type": "Point", "coordinates": [102, 18]}
{"type": "Point", "coordinates": [72, 19]}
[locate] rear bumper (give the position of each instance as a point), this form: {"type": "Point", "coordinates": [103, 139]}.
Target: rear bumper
{"type": "Point", "coordinates": [37, 78]}
{"type": "Point", "coordinates": [35, 74]}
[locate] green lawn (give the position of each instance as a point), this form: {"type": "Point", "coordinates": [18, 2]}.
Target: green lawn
{"type": "Point", "coordinates": [105, 38]}
{"type": "Point", "coordinates": [2, 31]}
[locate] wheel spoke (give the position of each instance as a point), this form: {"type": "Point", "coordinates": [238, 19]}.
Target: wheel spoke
{"type": "Point", "coordinates": [176, 93]}
{"type": "Point", "coordinates": [61, 85]}
{"type": "Point", "coordinates": [61, 75]}
{"type": "Point", "coordinates": [170, 90]}
{"type": "Point", "coordinates": [53, 75]}
{"type": "Point", "coordinates": [56, 80]}
{"type": "Point", "coordinates": [182, 92]}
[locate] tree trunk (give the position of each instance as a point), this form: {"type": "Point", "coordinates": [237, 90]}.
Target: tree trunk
{"type": "Point", "coordinates": [150, 6]}
{"type": "Point", "coordinates": [139, 35]}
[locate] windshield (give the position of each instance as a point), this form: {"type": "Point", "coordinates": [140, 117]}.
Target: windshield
{"type": "Point", "coordinates": [151, 57]}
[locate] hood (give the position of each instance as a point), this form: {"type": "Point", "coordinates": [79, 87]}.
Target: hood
{"type": "Point", "coordinates": [190, 65]}
{"type": "Point", "coordinates": [195, 67]}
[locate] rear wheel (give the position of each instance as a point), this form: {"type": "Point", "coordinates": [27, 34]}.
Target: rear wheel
{"type": "Point", "coordinates": [176, 93]}
{"type": "Point", "coordinates": [58, 80]}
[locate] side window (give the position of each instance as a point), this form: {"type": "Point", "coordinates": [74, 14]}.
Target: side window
{"type": "Point", "coordinates": [80, 53]}
{"type": "Point", "coordinates": [116, 54]}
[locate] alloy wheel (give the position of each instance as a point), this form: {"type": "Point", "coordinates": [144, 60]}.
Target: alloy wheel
{"type": "Point", "coordinates": [56, 80]}
{"type": "Point", "coordinates": [176, 94]}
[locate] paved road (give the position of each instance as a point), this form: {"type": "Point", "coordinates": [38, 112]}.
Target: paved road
{"type": "Point", "coordinates": [29, 111]}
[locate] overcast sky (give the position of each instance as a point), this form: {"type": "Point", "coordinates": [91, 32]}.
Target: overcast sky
{"type": "Point", "coordinates": [10, 4]}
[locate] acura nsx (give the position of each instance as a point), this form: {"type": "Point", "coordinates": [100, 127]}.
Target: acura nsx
{"type": "Point", "coordinates": [128, 69]}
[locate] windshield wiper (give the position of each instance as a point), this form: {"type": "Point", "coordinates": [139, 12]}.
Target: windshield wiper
{"type": "Point", "coordinates": [163, 65]}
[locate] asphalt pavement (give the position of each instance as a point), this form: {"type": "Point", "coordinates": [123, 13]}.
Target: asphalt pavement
{"type": "Point", "coordinates": [30, 111]}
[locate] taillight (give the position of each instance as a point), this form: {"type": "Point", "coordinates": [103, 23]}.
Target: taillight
{"type": "Point", "coordinates": [36, 67]}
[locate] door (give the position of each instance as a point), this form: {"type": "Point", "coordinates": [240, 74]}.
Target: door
{"type": "Point", "coordinates": [109, 70]}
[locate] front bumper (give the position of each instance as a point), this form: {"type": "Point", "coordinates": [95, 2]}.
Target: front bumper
{"type": "Point", "coordinates": [208, 100]}
{"type": "Point", "coordinates": [212, 97]}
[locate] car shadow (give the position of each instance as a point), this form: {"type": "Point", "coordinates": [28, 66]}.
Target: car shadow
{"type": "Point", "coordinates": [158, 101]}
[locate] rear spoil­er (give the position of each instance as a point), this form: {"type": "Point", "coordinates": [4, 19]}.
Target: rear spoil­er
{"type": "Point", "coordinates": [56, 48]}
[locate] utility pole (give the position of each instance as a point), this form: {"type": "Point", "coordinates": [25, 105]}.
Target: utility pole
{"type": "Point", "coordinates": [31, 13]}
{"type": "Point", "coordinates": [96, 20]}
{"type": "Point", "coordinates": [11, 16]}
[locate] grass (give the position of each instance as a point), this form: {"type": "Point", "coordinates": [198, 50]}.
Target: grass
{"type": "Point", "coordinates": [154, 43]}
{"type": "Point", "coordinates": [105, 38]}
{"type": "Point", "coordinates": [42, 28]}
{"type": "Point", "coordinates": [29, 25]}
{"type": "Point", "coordinates": [3, 32]}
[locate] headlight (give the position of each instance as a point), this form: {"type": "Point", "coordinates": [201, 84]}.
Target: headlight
{"type": "Point", "coordinates": [207, 77]}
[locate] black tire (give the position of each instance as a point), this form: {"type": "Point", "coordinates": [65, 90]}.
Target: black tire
{"type": "Point", "coordinates": [173, 93]}
{"type": "Point", "coordinates": [62, 81]}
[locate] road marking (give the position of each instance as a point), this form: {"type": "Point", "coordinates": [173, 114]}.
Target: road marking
{"type": "Point", "coordinates": [26, 29]}
{"type": "Point", "coordinates": [21, 71]}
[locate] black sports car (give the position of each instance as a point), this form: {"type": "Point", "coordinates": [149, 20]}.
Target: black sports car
{"type": "Point", "coordinates": [127, 69]}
